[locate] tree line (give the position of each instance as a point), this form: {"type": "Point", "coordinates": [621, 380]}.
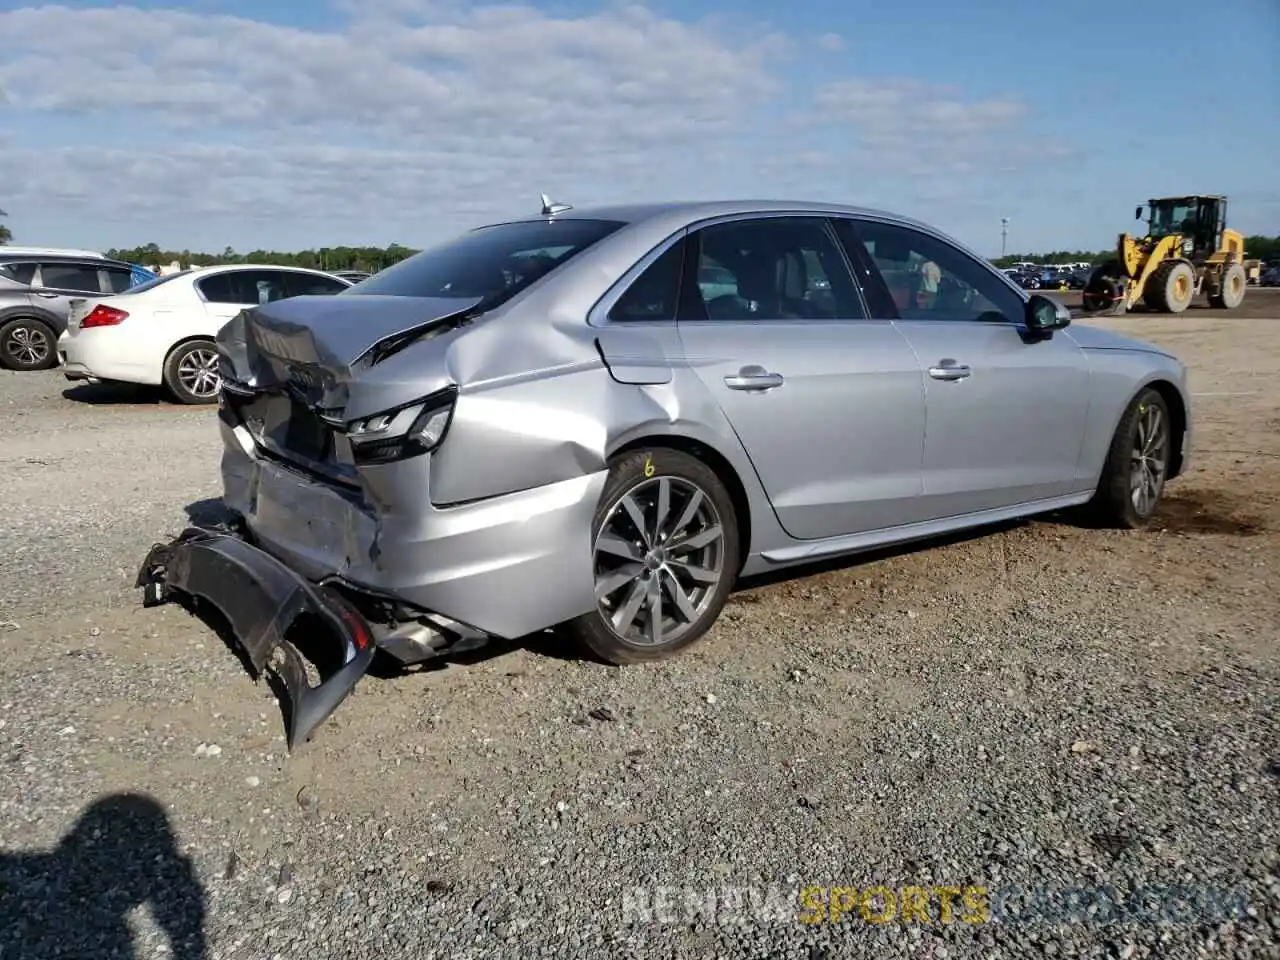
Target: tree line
{"type": "Point", "coordinates": [370, 259]}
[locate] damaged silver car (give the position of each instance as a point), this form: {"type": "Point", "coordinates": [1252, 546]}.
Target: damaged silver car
{"type": "Point", "coordinates": [600, 419]}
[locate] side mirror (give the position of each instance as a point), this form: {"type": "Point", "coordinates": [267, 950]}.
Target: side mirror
{"type": "Point", "coordinates": [1137, 213]}
{"type": "Point", "coordinates": [1045, 315]}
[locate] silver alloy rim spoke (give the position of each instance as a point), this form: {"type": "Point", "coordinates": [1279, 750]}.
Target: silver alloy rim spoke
{"type": "Point", "coordinates": [28, 346]}
{"type": "Point", "coordinates": [198, 372]}
{"type": "Point", "coordinates": [655, 578]}
{"type": "Point", "coordinates": [1146, 476]}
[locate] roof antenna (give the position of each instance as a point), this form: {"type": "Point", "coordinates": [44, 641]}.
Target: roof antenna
{"type": "Point", "coordinates": [550, 208]}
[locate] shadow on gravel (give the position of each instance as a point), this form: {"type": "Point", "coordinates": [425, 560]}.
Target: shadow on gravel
{"type": "Point", "coordinates": [104, 394]}
{"type": "Point", "coordinates": [75, 900]}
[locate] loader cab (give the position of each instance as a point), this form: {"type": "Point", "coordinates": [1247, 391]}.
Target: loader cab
{"type": "Point", "coordinates": [1200, 219]}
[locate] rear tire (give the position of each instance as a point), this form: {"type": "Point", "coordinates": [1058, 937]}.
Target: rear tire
{"type": "Point", "coordinates": [681, 567]}
{"type": "Point", "coordinates": [1234, 283]}
{"type": "Point", "coordinates": [1137, 464]}
{"type": "Point", "coordinates": [1171, 287]}
{"type": "Point", "coordinates": [187, 372]}
{"type": "Point", "coordinates": [28, 345]}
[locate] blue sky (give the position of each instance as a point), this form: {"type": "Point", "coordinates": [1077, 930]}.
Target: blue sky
{"type": "Point", "coordinates": [285, 124]}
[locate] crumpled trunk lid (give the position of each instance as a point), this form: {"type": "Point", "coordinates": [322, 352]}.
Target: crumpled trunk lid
{"type": "Point", "coordinates": [315, 345]}
{"type": "Point", "coordinates": [288, 366]}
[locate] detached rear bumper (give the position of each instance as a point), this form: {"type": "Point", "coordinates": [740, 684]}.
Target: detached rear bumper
{"type": "Point", "coordinates": [261, 599]}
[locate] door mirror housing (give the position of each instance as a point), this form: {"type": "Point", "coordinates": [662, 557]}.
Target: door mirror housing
{"type": "Point", "coordinates": [1045, 315]}
{"type": "Point", "coordinates": [1137, 213]}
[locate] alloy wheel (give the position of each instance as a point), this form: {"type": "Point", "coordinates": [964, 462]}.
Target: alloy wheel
{"type": "Point", "coordinates": [1150, 458]}
{"type": "Point", "coordinates": [27, 346]}
{"type": "Point", "coordinates": [659, 557]}
{"type": "Point", "coordinates": [198, 372]}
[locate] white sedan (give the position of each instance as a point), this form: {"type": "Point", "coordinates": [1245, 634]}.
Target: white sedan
{"type": "Point", "coordinates": [162, 332]}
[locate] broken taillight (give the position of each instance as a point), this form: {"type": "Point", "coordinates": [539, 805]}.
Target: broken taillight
{"type": "Point", "coordinates": [103, 316]}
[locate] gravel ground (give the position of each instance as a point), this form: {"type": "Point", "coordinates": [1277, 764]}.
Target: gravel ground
{"type": "Point", "coordinates": [1081, 722]}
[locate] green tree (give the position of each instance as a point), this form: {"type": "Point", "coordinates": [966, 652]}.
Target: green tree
{"type": "Point", "coordinates": [6, 235]}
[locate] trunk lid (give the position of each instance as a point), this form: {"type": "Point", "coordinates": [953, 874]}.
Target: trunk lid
{"type": "Point", "coordinates": [317, 344]}
{"type": "Point", "coordinates": [287, 366]}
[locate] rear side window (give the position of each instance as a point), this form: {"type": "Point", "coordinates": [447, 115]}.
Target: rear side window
{"type": "Point", "coordinates": [70, 276]}
{"type": "Point", "coordinates": [493, 263]}
{"type": "Point", "coordinates": [18, 272]}
{"type": "Point", "coordinates": [655, 294]}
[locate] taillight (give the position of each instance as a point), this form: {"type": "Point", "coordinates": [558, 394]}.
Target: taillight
{"type": "Point", "coordinates": [103, 316]}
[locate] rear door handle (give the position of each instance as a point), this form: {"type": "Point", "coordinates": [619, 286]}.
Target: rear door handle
{"type": "Point", "coordinates": [47, 295]}
{"type": "Point", "coordinates": [754, 378]}
{"type": "Point", "coordinates": [949, 370]}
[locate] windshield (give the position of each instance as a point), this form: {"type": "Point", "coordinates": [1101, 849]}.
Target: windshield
{"type": "Point", "coordinates": [493, 263]}
{"type": "Point", "coordinates": [1172, 216]}
{"type": "Point", "coordinates": [151, 284]}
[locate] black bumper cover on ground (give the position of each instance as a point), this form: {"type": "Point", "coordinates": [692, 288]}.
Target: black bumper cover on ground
{"type": "Point", "coordinates": [261, 598]}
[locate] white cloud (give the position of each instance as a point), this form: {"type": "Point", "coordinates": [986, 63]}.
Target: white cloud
{"type": "Point", "coordinates": [832, 42]}
{"type": "Point", "coordinates": [419, 116]}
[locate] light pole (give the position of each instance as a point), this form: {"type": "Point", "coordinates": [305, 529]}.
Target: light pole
{"type": "Point", "coordinates": [1004, 234]}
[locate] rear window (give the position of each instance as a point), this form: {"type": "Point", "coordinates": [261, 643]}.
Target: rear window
{"type": "Point", "coordinates": [18, 272]}
{"type": "Point", "coordinates": [493, 263]}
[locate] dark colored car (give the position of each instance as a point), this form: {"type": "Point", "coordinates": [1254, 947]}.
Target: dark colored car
{"type": "Point", "coordinates": [36, 291]}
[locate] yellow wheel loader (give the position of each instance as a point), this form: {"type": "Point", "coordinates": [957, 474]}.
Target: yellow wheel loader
{"type": "Point", "coordinates": [1188, 249]}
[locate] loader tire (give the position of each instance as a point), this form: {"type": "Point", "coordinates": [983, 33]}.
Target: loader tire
{"type": "Point", "coordinates": [1231, 293]}
{"type": "Point", "coordinates": [1101, 291]}
{"type": "Point", "coordinates": [1171, 287]}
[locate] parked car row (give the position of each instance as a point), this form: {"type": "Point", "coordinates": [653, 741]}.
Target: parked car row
{"type": "Point", "coordinates": [161, 333]}
{"type": "Point", "coordinates": [37, 286]}
{"type": "Point", "coordinates": [1049, 278]}
{"type": "Point", "coordinates": [108, 320]}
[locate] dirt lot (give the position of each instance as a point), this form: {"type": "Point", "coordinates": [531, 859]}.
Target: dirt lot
{"type": "Point", "coordinates": [1042, 707]}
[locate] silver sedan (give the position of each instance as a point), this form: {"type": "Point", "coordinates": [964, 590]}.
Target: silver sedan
{"type": "Point", "coordinates": [600, 419]}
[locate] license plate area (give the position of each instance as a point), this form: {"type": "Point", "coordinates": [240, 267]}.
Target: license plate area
{"type": "Point", "coordinates": [307, 435]}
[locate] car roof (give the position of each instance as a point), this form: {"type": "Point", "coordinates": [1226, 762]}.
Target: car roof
{"type": "Point", "coordinates": [6, 256]}
{"type": "Point", "coordinates": [682, 213]}
{"type": "Point", "coordinates": [224, 267]}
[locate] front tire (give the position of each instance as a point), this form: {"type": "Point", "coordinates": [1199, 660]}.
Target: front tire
{"type": "Point", "coordinates": [1102, 290]}
{"type": "Point", "coordinates": [1137, 465]}
{"type": "Point", "coordinates": [1171, 287]}
{"type": "Point", "coordinates": [191, 372]}
{"type": "Point", "coordinates": [28, 345]}
{"type": "Point", "coordinates": [665, 556]}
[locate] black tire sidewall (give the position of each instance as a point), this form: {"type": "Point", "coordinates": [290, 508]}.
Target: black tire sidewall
{"type": "Point", "coordinates": [38, 326]}
{"type": "Point", "coordinates": [173, 382]}
{"type": "Point", "coordinates": [1114, 495]}
{"type": "Point", "coordinates": [626, 472]}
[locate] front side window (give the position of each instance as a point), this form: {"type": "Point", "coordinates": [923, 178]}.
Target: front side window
{"type": "Point", "coordinates": [119, 279]}
{"type": "Point", "coordinates": [771, 268]}
{"type": "Point", "coordinates": [70, 276]}
{"type": "Point", "coordinates": [929, 279]}
{"type": "Point", "coordinates": [655, 294]}
{"type": "Point", "coordinates": [491, 263]}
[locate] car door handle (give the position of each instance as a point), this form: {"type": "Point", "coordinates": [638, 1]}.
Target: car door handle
{"type": "Point", "coordinates": [47, 295]}
{"type": "Point", "coordinates": [949, 370]}
{"type": "Point", "coordinates": [754, 378]}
